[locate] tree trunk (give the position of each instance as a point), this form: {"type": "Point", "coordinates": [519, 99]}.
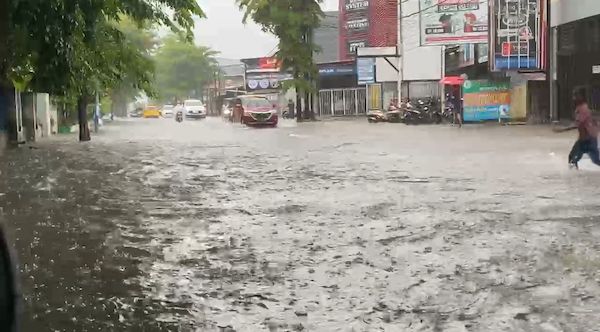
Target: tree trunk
{"type": "Point", "coordinates": [84, 129]}
{"type": "Point", "coordinates": [298, 106]}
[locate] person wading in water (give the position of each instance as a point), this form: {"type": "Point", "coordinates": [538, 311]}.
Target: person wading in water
{"type": "Point", "coordinates": [588, 132]}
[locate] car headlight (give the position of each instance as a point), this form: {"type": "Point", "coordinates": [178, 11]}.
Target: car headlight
{"type": "Point", "coordinates": [226, 112]}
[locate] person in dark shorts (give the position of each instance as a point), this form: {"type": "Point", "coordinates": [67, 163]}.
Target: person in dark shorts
{"type": "Point", "coordinates": [587, 141]}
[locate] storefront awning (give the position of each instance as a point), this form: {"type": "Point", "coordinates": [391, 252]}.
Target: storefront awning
{"type": "Point", "coordinates": [452, 80]}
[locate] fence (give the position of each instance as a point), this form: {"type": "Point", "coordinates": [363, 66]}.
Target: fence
{"type": "Point", "coordinates": [342, 102]}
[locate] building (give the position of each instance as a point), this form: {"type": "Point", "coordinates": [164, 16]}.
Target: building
{"type": "Point", "coordinates": [328, 31]}
{"type": "Point", "coordinates": [575, 39]}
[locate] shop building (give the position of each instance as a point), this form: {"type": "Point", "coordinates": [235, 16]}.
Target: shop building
{"type": "Point", "coordinates": [575, 37]}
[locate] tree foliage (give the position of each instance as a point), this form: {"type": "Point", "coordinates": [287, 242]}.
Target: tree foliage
{"type": "Point", "coordinates": [183, 69]}
{"type": "Point", "coordinates": [73, 47]}
{"type": "Point", "coordinates": [292, 22]}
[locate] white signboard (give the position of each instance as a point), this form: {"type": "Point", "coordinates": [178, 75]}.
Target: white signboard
{"type": "Point", "coordinates": [451, 22]}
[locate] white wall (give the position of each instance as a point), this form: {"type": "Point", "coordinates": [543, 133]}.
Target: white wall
{"type": "Point", "coordinates": [565, 11]}
{"type": "Point", "coordinates": [384, 72]}
{"type": "Point", "coordinates": [420, 63]}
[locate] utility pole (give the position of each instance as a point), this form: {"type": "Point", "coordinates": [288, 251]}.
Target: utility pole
{"type": "Point", "coordinates": [400, 53]}
{"type": "Point", "coordinates": [97, 113]}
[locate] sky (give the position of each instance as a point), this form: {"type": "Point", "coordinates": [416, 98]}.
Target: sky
{"type": "Point", "coordinates": [224, 31]}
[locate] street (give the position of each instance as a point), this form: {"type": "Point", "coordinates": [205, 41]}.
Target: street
{"type": "Point", "coordinates": [325, 226]}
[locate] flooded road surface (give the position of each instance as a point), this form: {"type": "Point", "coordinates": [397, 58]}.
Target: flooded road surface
{"type": "Point", "coordinates": [330, 226]}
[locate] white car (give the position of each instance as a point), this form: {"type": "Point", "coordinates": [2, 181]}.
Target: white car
{"type": "Point", "coordinates": [167, 111]}
{"type": "Point", "coordinates": [194, 109]}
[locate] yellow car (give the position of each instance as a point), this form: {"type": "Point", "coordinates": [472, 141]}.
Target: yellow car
{"type": "Point", "coordinates": [152, 112]}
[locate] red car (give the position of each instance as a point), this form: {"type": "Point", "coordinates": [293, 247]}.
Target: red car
{"type": "Point", "coordinates": [256, 111]}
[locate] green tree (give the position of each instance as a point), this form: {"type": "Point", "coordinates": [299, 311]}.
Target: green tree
{"type": "Point", "coordinates": [68, 46]}
{"type": "Point", "coordinates": [144, 41]}
{"type": "Point", "coordinates": [183, 69]}
{"type": "Point", "coordinates": [292, 22]}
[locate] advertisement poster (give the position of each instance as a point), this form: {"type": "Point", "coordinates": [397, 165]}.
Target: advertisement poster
{"type": "Point", "coordinates": [518, 34]}
{"type": "Point", "coordinates": [485, 100]}
{"type": "Point", "coordinates": [451, 22]}
{"type": "Point", "coordinates": [365, 69]}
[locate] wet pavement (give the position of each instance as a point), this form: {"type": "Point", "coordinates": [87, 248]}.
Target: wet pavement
{"type": "Point", "coordinates": [330, 226]}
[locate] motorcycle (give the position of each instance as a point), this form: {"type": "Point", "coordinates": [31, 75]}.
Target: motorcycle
{"type": "Point", "coordinates": [179, 116]}
{"type": "Point", "coordinates": [392, 115]}
{"type": "Point", "coordinates": [376, 117]}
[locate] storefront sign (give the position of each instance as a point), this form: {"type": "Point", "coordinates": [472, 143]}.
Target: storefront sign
{"type": "Point", "coordinates": [450, 22]}
{"type": "Point", "coordinates": [365, 69]}
{"type": "Point", "coordinates": [266, 81]}
{"type": "Point", "coordinates": [518, 34]}
{"type": "Point", "coordinates": [485, 100]}
{"type": "Point", "coordinates": [358, 24]}
{"type": "Point", "coordinates": [337, 69]}
{"type": "Point", "coordinates": [268, 64]}
{"type": "Point", "coordinates": [354, 5]}
{"type": "Point", "coordinates": [354, 45]}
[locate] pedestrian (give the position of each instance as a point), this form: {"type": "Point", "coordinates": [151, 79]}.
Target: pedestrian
{"type": "Point", "coordinates": [454, 105]}
{"type": "Point", "coordinates": [587, 142]}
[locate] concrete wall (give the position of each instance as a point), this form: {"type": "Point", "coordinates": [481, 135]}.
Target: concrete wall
{"type": "Point", "coordinates": [565, 11]}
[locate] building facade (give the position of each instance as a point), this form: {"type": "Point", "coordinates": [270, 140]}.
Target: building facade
{"type": "Point", "coordinates": [575, 61]}
{"type": "Point", "coordinates": [366, 23]}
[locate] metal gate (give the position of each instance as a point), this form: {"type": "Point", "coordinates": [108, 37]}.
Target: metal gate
{"type": "Point", "coordinates": [342, 102]}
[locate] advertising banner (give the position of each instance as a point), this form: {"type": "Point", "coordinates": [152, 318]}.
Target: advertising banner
{"type": "Point", "coordinates": [485, 100]}
{"type": "Point", "coordinates": [267, 64]}
{"type": "Point", "coordinates": [365, 69]}
{"type": "Point", "coordinates": [451, 22]}
{"type": "Point", "coordinates": [518, 35]}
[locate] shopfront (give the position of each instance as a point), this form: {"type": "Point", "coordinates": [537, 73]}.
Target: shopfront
{"type": "Point", "coordinates": [578, 63]}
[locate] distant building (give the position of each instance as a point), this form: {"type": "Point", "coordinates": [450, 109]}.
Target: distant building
{"type": "Point", "coordinates": [326, 36]}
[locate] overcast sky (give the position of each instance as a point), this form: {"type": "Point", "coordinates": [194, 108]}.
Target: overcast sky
{"type": "Point", "coordinates": [224, 31]}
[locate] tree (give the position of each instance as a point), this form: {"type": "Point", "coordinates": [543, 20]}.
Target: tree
{"type": "Point", "coordinates": [142, 39]}
{"type": "Point", "coordinates": [183, 69]}
{"type": "Point", "coordinates": [70, 46]}
{"type": "Point", "coordinates": [292, 22]}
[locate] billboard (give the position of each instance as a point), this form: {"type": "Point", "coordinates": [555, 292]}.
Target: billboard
{"type": "Point", "coordinates": [451, 22]}
{"type": "Point", "coordinates": [486, 100]}
{"type": "Point", "coordinates": [518, 35]}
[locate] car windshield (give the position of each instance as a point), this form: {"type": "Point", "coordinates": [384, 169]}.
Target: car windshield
{"type": "Point", "coordinates": [256, 102]}
{"type": "Point", "coordinates": [194, 103]}
{"type": "Point", "coordinates": [167, 107]}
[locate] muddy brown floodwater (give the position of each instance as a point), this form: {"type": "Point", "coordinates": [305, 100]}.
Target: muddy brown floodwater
{"type": "Point", "coordinates": [330, 226]}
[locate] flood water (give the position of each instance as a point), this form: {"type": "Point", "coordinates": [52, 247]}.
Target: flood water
{"type": "Point", "coordinates": [328, 226]}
